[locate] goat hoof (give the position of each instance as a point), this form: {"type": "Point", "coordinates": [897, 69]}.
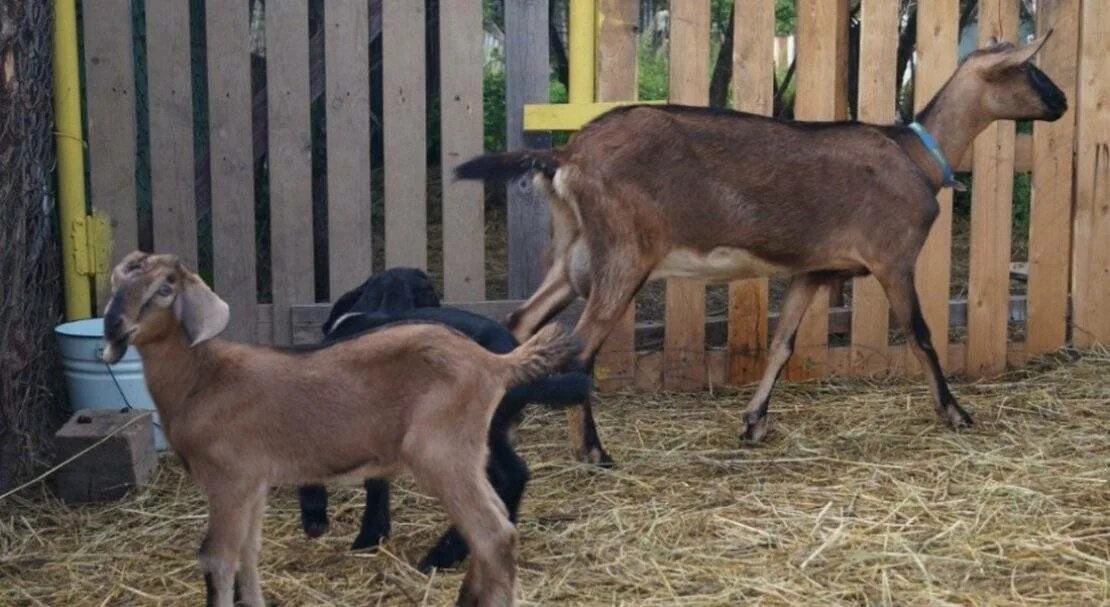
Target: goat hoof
{"type": "Point", "coordinates": [754, 431]}
{"type": "Point", "coordinates": [368, 540]}
{"type": "Point", "coordinates": [596, 456]}
{"type": "Point", "coordinates": [436, 560]}
{"type": "Point", "coordinates": [315, 529]}
{"type": "Point", "coordinates": [957, 417]}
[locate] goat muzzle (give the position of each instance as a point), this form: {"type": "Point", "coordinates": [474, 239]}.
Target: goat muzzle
{"type": "Point", "coordinates": [116, 333]}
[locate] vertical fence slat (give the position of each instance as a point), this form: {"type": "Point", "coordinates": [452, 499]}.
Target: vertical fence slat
{"type": "Point", "coordinates": [684, 316]}
{"type": "Point", "coordinates": [938, 24]}
{"type": "Point", "coordinates": [290, 161]}
{"type": "Point", "coordinates": [110, 103]}
{"type": "Point", "coordinates": [1091, 270]}
{"type": "Point", "coordinates": [877, 70]}
{"type": "Point", "coordinates": [818, 34]}
{"type": "Point", "coordinates": [616, 81]}
{"type": "Point", "coordinates": [403, 101]}
{"type": "Point", "coordinates": [171, 131]}
{"type": "Point", "coordinates": [991, 220]}
{"type": "Point", "coordinates": [347, 94]}
{"type": "Point", "coordinates": [526, 81]}
{"type": "Point", "coordinates": [1050, 207]}
{"type": "Point", "coordinates": [231, 162]}
{"type": "Point", "coordinates": [753, 70]}
{"type": "Point", "coordinates": [464, 251]}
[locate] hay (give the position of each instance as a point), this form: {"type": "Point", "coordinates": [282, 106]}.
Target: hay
{"type": "Point", "coordinates": [859, 497]}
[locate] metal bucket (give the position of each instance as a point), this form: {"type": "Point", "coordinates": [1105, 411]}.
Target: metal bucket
{"type": "Point", "coordinates": [93, 384]}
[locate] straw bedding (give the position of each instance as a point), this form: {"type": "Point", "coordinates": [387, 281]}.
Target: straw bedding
{"type": "Point", "coordinates": [859, 497]}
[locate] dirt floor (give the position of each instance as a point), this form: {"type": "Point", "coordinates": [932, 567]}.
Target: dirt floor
{"type": "Point", "coordinates": [858, 497]}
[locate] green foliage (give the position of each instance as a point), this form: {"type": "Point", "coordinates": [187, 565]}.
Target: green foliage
{"type": "Point", "coordinates": [785, 17]}
{"type": "Point", "coordinates": [493, 104]}
{"type": "Point", "coordinates": [1023, 194]}
{"type": "Point", "coordinates": [653, 81]}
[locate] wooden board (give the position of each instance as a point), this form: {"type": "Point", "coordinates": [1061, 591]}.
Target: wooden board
{"type": "Point", "coordinates": [684, 341]}
{"type": "Point", "coordinates": [616, 81]}
{"type": "Point", "coordinates": [1091, 270]}
{"type": "Point", "coordinates": [231, 163]}
{"type": "Point", "coordinates": [403, 106]}
{"type": "Point", "coordinates": [937, 32]}
{"type": "Point", "coordinates": [753, 70]}
{"type": "Point", "coordinates": [110, 103]}
{"type": "Point", "coordinates": [171, 133]}
{"type": "Point", "coordinates": [1050, 207]}
{"type": "Point", "coordinates": [817, 99]}
{"type": "Point", "coordinates": [290, 161]}
{"type": "Point", "coordinates": [991, 220]}
{"type": "Point", "coordinates": [461, 59]}
{"type": "Point", "coordinates": [526, 73]}
{"type": "Point", "coordinates": [347, 91]}
{"type": "Point", "coordinates": [879, 21]}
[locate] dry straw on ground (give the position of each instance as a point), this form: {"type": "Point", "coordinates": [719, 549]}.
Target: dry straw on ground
{"type": "Point", "coordinates": [859, 498]}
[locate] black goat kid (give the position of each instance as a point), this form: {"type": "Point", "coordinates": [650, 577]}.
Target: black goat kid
{"type": "Point", "coordinates": [407, 295]}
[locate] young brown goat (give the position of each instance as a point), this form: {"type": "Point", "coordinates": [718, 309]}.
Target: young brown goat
{"type": "Point", "coordinates": [647, 192]}
{"type": "Point", "coordinates": [244, 418]}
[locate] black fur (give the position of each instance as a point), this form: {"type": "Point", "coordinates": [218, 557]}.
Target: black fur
{"type": "Point", "coordinates": [406, 295]}
{"type": "Point", "coordinates": [507, 165]}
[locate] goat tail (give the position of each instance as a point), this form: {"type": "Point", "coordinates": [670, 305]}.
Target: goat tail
{"type": "Point", "coordinates": [507, 165]}
{"type": "Point", "coordinates": [543, 354]}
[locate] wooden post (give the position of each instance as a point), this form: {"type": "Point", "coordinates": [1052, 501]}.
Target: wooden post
{"type": "Point", "coordinates": [877, 88]}
{"type": "Point", "coordinates": [347, 95]}
{"type": "Point", "coordinates": [1091, 269]}
{"type": "Point", "coordinates": [231, 163]}
{"type": "Point", "coordinates": [937, 34]}
{"type": "Point", "coordinates": [461, 59]}
{"type": "Point", "coordinates": [684, 317]}
{"type": "Point", "coordinates": [403, 110]}
{"type": "Point", "coordinates": [616, 81]}
{"type": "Point", "coordinates": [526, 73]}
{"type": "Point", "coordinates": [991, 220]}
{"type": "Point", "coordinates": [110, 105]}
{"type": "Point", "coordinates": [290, 137]}
{"type": "Point", "coordinates": [753, 70]}
{"type": "Point", "coordinates": [819, 23]}
{"type": "Point", "coordinates": [1050, 207]}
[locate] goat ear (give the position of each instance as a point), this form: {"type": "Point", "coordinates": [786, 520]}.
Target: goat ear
{"type": "Point", "coordinates": [1016, 56]}
{"type": "Point", "coordinates": [200, 311]}
{"type": "Point", "coordinates": [341, 307]}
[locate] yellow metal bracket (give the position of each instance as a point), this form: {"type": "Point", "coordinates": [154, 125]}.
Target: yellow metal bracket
{"type": "Point", "coordinates": [91, 244]}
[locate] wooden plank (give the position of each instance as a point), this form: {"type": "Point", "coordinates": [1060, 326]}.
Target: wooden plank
{"type": "Point", "coordinates": [684, 340]}
{"type": "Point", "coordinates": [290, 161]}
{"type": "Point", "coordinates": [461, 60]}
{"type": "Point", "coordinates": [406, 170]}
{"type": "Point", "coordinates": [1050, 207]}
{"type": "Point", "coordinates": [753, 70]}
{"type": "Point", "coordinates": [818, 63]}
{"type": "Point", "coordinates": [171, 132]}
{"type": "Point", "coordinates": [526, 73]}
{"type": "Point", "coordinates": [347, 105]}
{"type": "Point", "coordinates": [1023, 153]}
{"type": "Point", "coordinates": [231, 163]}
{"type": "Point", "coordinates": [991, 220]}
{"type": "Point", "coordinates": [1091, 270]}
{"type": "Point", "coordinates": [877, 89]}
{"type": "Point", "coordinates": [937, 33]}
{"type": "Point", "coordinates": [110, 107]}
{"type": "Point", "coordinates": [616, 81]}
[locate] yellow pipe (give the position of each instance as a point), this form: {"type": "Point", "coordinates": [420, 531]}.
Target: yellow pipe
{"type": "Point", "coordinates": [582, 42]}
{"type": "Point", "coordinates": [71, 159]}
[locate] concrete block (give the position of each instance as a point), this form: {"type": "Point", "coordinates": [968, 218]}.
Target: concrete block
{"type": "Point", "coordinates": [108, 471]}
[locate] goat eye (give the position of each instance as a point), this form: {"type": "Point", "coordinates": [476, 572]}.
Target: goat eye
{"type": "Point", "coordinates": [165, 290]}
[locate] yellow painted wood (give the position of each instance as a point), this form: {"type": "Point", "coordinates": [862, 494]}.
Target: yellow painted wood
{"type": "Point", "coordinates": [569, 116]}
{"type": "Point", "coordinates": [582, 40]}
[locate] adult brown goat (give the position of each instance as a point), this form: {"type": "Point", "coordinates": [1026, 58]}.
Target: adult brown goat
{"type": "Point", "coordinates": [647, 192]}
{"type": "Point", "coordinates": [242, 418]}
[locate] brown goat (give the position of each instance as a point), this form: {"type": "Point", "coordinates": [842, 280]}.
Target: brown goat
{"type": "Point", "coordinates": [647, 192]}
{"type": "Point", "coordinates": [244, 418]}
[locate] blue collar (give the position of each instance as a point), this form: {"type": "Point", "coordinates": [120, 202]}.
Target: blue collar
{"type": "Point", "coordinates": [947, 178]}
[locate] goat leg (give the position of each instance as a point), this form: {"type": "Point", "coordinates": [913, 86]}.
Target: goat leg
{"type": "Point", "coordinates": [313, 500]}
{"type": "Point", "coordinates": [799, 293]}
{"type": "Point", "coordinates": [375, 518]}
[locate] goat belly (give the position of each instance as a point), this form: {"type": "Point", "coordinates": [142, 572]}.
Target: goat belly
{"type": "Point", "coordinates": [722, 264]}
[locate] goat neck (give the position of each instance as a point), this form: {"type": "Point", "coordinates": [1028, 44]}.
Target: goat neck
{"type": "Point", "coordinates": [954, 117]}
{"type": "Point", "coordinates": [177, 372]}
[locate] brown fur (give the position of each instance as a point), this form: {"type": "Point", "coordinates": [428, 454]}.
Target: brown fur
{"type": "Point", "coordinates": [643, 188]}
{"type": "Point", "coordinates": [245, 418]}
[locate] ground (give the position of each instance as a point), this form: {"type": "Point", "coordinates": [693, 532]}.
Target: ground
{"type": "Point", "coordinates": [859, 496]}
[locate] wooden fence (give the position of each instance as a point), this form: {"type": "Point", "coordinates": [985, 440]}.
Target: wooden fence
{"type": "Point", "coordinates": [1069, 240]}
